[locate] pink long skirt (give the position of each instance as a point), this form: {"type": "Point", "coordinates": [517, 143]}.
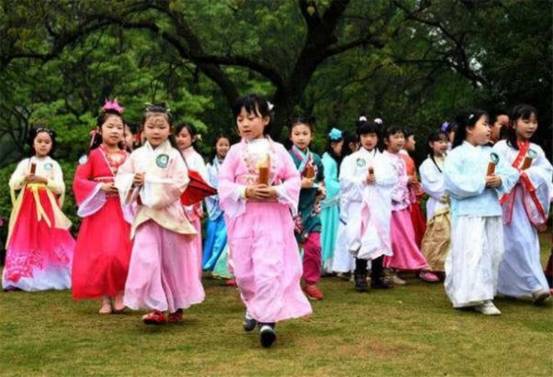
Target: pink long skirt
{"type": "Point", "coordinates": [163, 271]}
{"type": "Point", "coordinates": [407, 255]}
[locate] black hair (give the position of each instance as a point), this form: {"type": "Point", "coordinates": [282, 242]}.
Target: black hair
{"type": "Point", "coordinates": [521, 111]}
{"type": "Point", "coordinates": [159, 109]}
{"type": "Point", "coordinates": [364, 127]}
{"type": "Point", "coordinates": [495, 113]}
{"type": "Point", "coordinates": [100, 120]}
{"type": "Point", "coordinates": [330, 151]}
{"type": "Point", "coordinates": [464, 120]}
{"type": "Point", "coordinates": [254, 104]}
{"type": "Point", "coordinates": [408, 132]}
{"type": "Point", "coordinates": [388, 131]}
{"type": "Point", "coordinates": [433, 137]}
{"type": "Point", "coordinates": [309, 121]}
{"type": "Point", "coordinates": [33, 133]}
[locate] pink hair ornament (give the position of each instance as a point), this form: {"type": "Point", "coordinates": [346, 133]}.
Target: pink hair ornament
{"type": "Point", "coordinates": [113, 105]}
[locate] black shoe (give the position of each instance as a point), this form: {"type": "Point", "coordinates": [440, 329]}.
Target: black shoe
{"type": "Point", "coordinates": [267, 335]}
{"type": "Point", "coordinates": [381, 283]}
{"type": "Point", "coordinates": [249, 323]}
{"type": "Point", "coordinates": [361, 283]}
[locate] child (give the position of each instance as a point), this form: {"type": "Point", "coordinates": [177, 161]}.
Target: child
{"type": "Point", "coordinates": [525, 209]}
{"type": "Point", "coordinates": [258, 187]}
{"type": "Point", "coordinates": [406, 254]}
{"type": "Point", "coordinates": [215, 255]}
{"type": "Point", "coordinates": [330, 205]}
{"type": "Point", "coordinates": [103, 245]}
{"type": "Point", "coordinates": [477, 232]}
{"type": "Point", "coordinates": [367, 180]}
{"type": "Point", "coordinates": [39, 247]}
{"type": "Point", "coordinates": [163, 273]}
{"type": "Point", "coordinates": [499, 124]}
{"type": "Point", "coordinates": [308, 222]}
{"type": "Point", "coordinates": [186, 136]}
{"type": "Point", "coordinates": [436, 241]}
{"type": "Point", "coordinates": [415, 190]}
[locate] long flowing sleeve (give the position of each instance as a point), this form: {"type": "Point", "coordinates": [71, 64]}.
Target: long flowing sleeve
{"type": "Point", "coordinates": [462, 179]}
{"type": "Point", "coordinates": [351, 186]}
{"type": "Point", "coordinates": [231, 194]}
{"type": "Point", "coordinates": [332, 183]}
{"type": "Point", "coordinates": [432, 180]}
{"type": "Point", "coordinates": [161, 192]}
{"type": "Point", "coordinates": [509, 177]}
{"type": "Point", "coordinates": [17, 178]}
{"type": "Point", "coordinates": [55, 183]}
{"type": "Point", "coordinates": [88, 194]}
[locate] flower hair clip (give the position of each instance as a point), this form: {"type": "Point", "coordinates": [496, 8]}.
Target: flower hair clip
{"type": "Point", "coordinates": [444, 127]}
{"type": "Point", "coordinates": [378, 121]}
{"type": "Point", "coordinates": [362, 118]}
{"type": "Point", "coordinates": [335, 135]}
{"type": "Point", "coordinates": [113, 106]}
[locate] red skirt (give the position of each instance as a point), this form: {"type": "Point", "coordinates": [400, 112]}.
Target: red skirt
{"type": "Point", "coordinates": [419, 222]}
{"type": "Point", "coordinates": [102, 254]}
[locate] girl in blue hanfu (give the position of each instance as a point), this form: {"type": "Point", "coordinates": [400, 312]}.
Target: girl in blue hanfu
{"type": "Point", "coordinates": [367, 180]}
{"type": "Point", "coordinates": [525, 209]}
{"type": "Point", "coordinates": [215, 255]}
{"type": "Point", "coordinates": [330, 205]}
{"type": "Point", "coordinates": [163, 271]}
{"type": "Point", "coordinates": [259, 188]}
{"type": "Point", "coordinates": [475, 178]}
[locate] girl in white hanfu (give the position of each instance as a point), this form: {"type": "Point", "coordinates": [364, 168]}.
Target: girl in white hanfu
{"type": "Point", "coordinates": [525, 209]}
{"type": "Point", "coordinates": [474, 179]}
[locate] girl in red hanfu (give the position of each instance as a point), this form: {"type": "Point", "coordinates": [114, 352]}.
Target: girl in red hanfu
{"type": "Point", "coordinates": [104, 245]}
{"type": "Point", "coordinates": [39, 246]}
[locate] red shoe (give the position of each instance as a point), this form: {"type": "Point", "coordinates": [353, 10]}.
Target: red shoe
{"type": "Point", "coordinates": [429, 277]}
{"type": "Point", "coordinates": [313, 292]}
{"type": "Point", "coordinates": [175, 317]}
{"type": "Point", "coordinates": [231, 283]}
{"type": "Point", "coordinates": [154, 318]}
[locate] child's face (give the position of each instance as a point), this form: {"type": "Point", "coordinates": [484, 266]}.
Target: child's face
{"type": "Point", "coordinates": [337, 146]}
{"type": "Point", "coordinates": [395, 142]}
{"type": "Point", "coordinates": [480, 133]}
{"type": "Point", "coordinates": [184, 139]}
{"type": "Point", "coordinates": [410, 144]}
{"type": "Point", "coordinates": [112, 130]}
{"type": "Point", "coordinates": [251, 125]}
{"type": "Point", "coordinates": [525, 128]}
{"type": "Point", "coordinates": [369, 141]}
{"type": "Point", "coordinates": [222, 147]}
{"type": "Point", "coordinates": [439, 147]}
{"type": "Point", "coordinates": [156, 130]}
{"type": "Point", "coordinates": [500, 122]}
{"type": "Point", "coordinates": [301, 135]}
{"type": "Point", "coordinates": [42, 144]}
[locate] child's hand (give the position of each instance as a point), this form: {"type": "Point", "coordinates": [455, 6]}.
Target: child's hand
{"type": "Point", "coordinates": [258, 192]}
{"type": "Point", "coordinates": [108, 187]}
{"type": "Point", "coordinates": [371, 179]}
{"type": "Point", "coordinates": [138, 179]}
{"type": "Point", "coordinates": [31, 178]}
{"type": "Point", "coordinates": [307, 182]}
{"type": "Point", "coordinates": [493, 181]}
{"type": "Point", "coordinates": [321, 192]}
{"type": "Point", "coordinates": [268, 193]}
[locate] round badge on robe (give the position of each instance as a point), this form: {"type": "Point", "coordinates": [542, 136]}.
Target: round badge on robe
{"type": "Point", "coordinates": [162, 160]}
{"type": "Point", "coordinates": [48, 166]}
{"type": "Point", "coordinates": [361, 163]}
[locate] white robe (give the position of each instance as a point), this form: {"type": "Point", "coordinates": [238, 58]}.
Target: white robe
{"type": "Point", "coordinates": [521, 272]}
{"type": "Point", "coordinates": [433, 184]}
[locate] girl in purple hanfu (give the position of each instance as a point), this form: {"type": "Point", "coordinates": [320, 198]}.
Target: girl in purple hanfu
{"type": "Point", "coordinates": [259, 191]}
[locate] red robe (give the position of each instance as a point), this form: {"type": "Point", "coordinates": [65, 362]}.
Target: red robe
{"type": "Point", "coordinates": [103, 250]}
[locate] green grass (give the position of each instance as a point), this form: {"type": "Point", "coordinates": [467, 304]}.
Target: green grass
{"type": "Point", "coordinates": [406, 331]}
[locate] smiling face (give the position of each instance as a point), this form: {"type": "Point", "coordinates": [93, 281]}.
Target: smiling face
{"type": "Point", "coordinates": [439, 147]}
{"type": "Point", "coordinates": [42, 144]}
{"type": "Point", "coordinates": [480, 133]}
{"type": "Point", "coordinates": [395, 142]}
{"type": "Point", "coordinates": [112, 130]}
{"type": "Point", "coordinates": [184, 139]}
{"type": "Point", "coordinates": [525, 128]}
{"type": "Point", "coordinates": [156, 129]}
{"type": "Point", "coordinates": [221, 147]}
{"type": "Point", "coordinates": [251, 125]}
{"type": "Point", "coordinates": [301, 135]}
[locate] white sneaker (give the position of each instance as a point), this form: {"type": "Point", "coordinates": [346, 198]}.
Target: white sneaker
{"type": "Point", "coordinates": [487, 308]}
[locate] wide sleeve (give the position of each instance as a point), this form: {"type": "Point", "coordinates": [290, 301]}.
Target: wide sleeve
{"type": "Point", "coordinates": [509, 177]}
{"type": "Point", "coordinates": [462, 179]}
{"type": "Point", "coordinates": [124, 182]}
{"type": "Point", "coordinates": [432, 180]}
{"type": "Point", "coordinates": [212, 202]}
{"type": "Point", "coordinates": [332, 183]}
{"type": "Point", "coordinates": [17, 179]}
{"type": "Point", "coordinates": [289, 190]}
{"type": "Point", "coordinates": [541, 171]}
{"type": "Point", "coordinates": [88, 194]}
{"type": "Point", "coordinates": [231, 194]}
{"type": "Point", "coordinates": [55, 183]}
{"type": "Point", "coordinates": [351, 186]}
{"type": "Point", "coordinates": [161, 192]}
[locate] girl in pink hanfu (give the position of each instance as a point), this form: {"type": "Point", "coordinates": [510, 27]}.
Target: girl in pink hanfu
{"type": "Point", "coordinates": [103, 246]}
{"type": "Point", "coordinates": [163, 271]}
{"type": "Point", "coordinates": [525, 209]}
{"type": "Point", "coordinates": [39, 248]}
{"type": "Point", "coordinates": [406, 254]}
{"type": "Point", "coordinates": [259, 190]}
{"type": "Point", "coordinates": [186, 136]}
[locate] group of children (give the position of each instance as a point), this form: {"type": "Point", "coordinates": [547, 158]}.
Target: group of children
{"type": "Point", "coordinates": [282, 218]}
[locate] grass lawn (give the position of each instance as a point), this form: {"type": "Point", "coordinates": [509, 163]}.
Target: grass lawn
{"type": "Point", "coordinates": [406, 331]}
